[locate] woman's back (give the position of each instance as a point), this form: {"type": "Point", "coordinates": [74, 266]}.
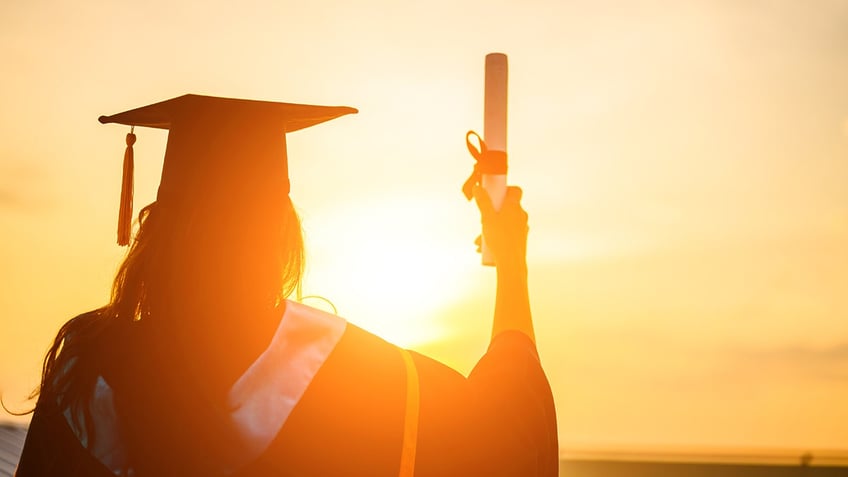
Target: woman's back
{"type": "Point", "coordinates": [348, 418]}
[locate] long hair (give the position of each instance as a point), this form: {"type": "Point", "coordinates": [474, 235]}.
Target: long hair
{"type": "Point", "coordinates": [192, 281]}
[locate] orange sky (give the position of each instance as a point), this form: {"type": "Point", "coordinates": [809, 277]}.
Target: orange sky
{"type": "Point", "coordinates": [684, 167]}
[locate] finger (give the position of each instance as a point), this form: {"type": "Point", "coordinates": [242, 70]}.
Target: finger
{"type": "Point", "coordinates": [478, 241]}
{"type": "Point", "coordinates": [484, 202]}
{"type": "Point", "coordinates": [513, 194]}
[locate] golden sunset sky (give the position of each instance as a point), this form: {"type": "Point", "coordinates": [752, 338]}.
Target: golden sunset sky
{"type": "Point", "coordinates": [685, 168]}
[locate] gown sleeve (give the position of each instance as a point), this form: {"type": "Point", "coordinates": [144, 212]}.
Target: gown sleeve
{"type": "Point", "coordinates": [511, 417]}
{"type": "Point", "coordinates": [500, 421]}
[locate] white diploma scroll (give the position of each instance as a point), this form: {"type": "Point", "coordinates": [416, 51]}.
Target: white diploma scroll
{"type": "Point", "coordinates": [494, 130]}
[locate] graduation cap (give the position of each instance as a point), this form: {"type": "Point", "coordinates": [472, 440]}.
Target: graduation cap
{"type": "Point", "coordinates": [218, 148]}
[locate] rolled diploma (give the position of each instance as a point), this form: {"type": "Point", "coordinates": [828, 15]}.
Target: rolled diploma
{"type": "Point", "coordinates": [494, 130]}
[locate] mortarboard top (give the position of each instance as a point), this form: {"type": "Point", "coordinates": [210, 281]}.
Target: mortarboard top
{"type": "Point", "coordinates": [290, 116]}
{"type": "Point", "coordinates": [218, 148]}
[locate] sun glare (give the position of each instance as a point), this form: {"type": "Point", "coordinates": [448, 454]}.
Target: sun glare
{"type": "Point", "coordinates": [389, 266]}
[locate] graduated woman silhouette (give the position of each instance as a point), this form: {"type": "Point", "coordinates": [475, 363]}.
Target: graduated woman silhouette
{"type": "Point", "coordinates": [199, 365]}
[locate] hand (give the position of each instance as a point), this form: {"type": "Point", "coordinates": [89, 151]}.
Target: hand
{"type": "Point", "coordinates": [505, 231]}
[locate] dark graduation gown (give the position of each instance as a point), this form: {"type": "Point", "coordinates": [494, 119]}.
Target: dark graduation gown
{"type": "Point", "coordinates": [330, 399]}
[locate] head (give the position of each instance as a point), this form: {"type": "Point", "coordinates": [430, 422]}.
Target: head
{"type": "Point", "coordinates": [222, 238]}
{"type": "Point", "coordinates": [223, 225]}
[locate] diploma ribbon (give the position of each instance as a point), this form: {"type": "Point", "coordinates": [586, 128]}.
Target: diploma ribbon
{"type": "Point", "coordinates": [487, 162]}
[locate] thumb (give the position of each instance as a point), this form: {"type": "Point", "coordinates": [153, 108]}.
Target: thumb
{"type": "Point", "coordinates": [513, 194]}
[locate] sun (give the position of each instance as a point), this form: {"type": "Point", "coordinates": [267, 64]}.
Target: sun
{"type": "Point", "coordinates": [389, 266]}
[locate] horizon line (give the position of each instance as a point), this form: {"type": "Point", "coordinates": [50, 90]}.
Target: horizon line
{"type": "Point", "coordinates": [753, 455]}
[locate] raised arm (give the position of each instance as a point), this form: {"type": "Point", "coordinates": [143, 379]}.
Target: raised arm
{"type": "Point", "coordinates": [505, 232]}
